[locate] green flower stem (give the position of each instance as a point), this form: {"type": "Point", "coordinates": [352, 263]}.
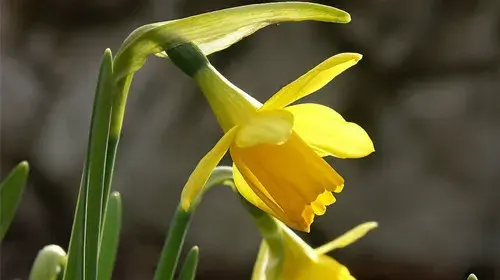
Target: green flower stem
{"type": "Point", "coordinates": [75, 261]}
{"type": "Point", "coordinates": [188, 270]}
{"type": "Point", "coordinates": [272, 235]}
{"type": "Point", "coordinates": [121, 90]}
{"type": "Point", "coordinates": [222, 175]}
{"type": "Point", "coordinates": [180, 224]}
{"type": "Point", "coordinates": [49, 263]}
{"type": "Point", "coordinates": [11, 191]}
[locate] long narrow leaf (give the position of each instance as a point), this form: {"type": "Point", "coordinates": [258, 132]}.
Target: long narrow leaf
{"type": "Point", "coordinates": [85, 236]}
{"type": "Point", "coordinates": [11, 191]}
{"type": "Point", "coordinates": [110, 237]}
{"type": "Point", "coordinates": [188, 270]}
{"type": "Point", "coordinates": [97, 165]}
{"type": "Point", "coordinates": [179, 225]}
{"type": "Point", "coordinates": [76, 261]}
{"type": "Point", "coordinates": [173, 245]}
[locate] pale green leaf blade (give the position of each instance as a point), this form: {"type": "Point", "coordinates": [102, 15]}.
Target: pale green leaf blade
{"type": "Point", "coordinates": [171, 251]}
{"type": "Point", "coordinates": [11, 191]}
{"type": "Point", "coordinates": [188, 270]}
{"type": "Point", "coordinates": [215, 31]}
{"type": "Point", "coordinates": [97, 192]}
{"type": "Point", "coordinates": [110, 237]}
{"type": "Point", "coordinates": [85, 235]}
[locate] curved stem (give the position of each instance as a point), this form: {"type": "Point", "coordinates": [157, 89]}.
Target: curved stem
{"type": "Point", "coordinates": [180, 224]}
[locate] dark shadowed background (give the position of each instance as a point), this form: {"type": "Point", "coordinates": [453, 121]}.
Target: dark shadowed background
{"type": "Point", "coordinates": [427, 91]}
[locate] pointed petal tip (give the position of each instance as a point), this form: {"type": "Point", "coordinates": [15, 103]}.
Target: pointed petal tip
{"type": "Point", "coordinates": [347, 18]}
{"type": "Point", "coordinates": [341, 15]}
{"type": "Point", "coordinates": [355, 56]}
{"type": "Point", "coordinates": [371, 224]}
{"type": "Point", "coordinates": [371, 149]}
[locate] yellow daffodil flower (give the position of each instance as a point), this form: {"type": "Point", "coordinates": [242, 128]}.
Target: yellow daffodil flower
{"type": "Point", "coordinates": [301, 262]}
{"type": "Point", "coordinates": [277, 149]}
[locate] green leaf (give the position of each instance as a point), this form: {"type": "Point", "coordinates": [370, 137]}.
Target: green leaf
{"type": "Point", "coordinates": [11, 191]}
{"type": "Point", "coordinates": [48, 264]}
{"type": "Point", "coordinates": [75, 258]}
{"type": "Point", "coordinates": [188, 270]}
{"type": "Point", "coordinates": [215, 31]}
{"type": "Point", "coordinates": [110, 237]}
{"type": "Point", "coordinates": [98, 140]}
{"type": "Point", "coordinates": [173, 245]}
{"type": "Point", "coordinates": [85, 236]}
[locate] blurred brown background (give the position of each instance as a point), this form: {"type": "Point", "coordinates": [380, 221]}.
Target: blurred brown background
{"type": "Point", "coordinates": [427, 91]}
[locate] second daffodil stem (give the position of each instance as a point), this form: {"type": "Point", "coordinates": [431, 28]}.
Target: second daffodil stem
{"type": "Point", "coordinates": [273, 237]}
{"type": "Point", "coordinates": [179, 226]}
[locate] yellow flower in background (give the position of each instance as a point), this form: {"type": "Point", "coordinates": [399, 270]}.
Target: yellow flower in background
{"type": "Point", "coordinates": [277, 149]}
{"type": "Point", "coordinates": [301, 262]}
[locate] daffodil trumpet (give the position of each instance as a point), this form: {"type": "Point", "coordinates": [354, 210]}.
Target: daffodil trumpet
{"type": "Point", "coordinates": [277, 148]}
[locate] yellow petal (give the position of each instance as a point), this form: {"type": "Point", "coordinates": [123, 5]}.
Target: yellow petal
{"type": "Point", "coordinates": [201, 173]}
{"type": "Point", "coordinates": [347, 238]}
{"type": "Point", "coordinates": [313, 80]}
{"type": "Point", "coordinates": [328, 133]}
{"type": "Point", "coordinates": [267, 127]}
{"type": "Point", "coordinates": [324, 268]}
{"type": "Point", "coordinates": [301, 262]}
{"type": "Point", "coordinates": [327, 268]}
{"type": "Point", "coordinates": [287, 177]}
